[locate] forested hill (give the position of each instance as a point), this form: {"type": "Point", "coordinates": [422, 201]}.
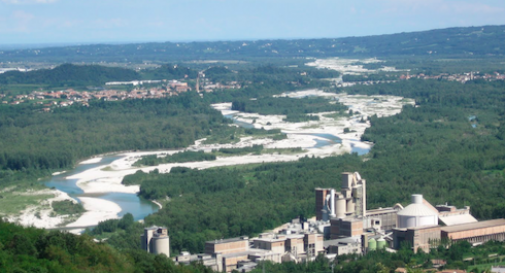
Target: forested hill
{"type": "Point", "coordinates": [38, 250]}
{"type": "Point", "coordinates": [461, 41]}
{"type": "Point", "coordinates": [70, 75]}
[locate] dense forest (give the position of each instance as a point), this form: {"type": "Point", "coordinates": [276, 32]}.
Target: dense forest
{"type": "Point", "coordinates": [169, 72]}
{"type": "Point", "coordinates": [194, 156]}
{"type": "Point", "coordinates": [431, 149]}
{"type": "Point", "coordinates": [181, 157]}
{"type": "Point", "coordinates": [460, 41]}
{"type": "Point", "coordinates": [285, 105]}
{"type": "Point", "coordinates": [37, 250]}
{"type": "Point", "coordinates": [55, 140]}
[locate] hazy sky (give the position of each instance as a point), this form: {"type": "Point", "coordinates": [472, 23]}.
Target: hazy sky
{"type": "Point", "coordinates": [91, 21]}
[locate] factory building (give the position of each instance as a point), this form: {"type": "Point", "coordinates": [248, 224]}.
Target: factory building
{"type": "Point", "coordinates": [348, 202]}
{"type": "Point", "coordinates": [301, 246]}
{"type": "Point", "coordinates": [345, 209]}
{"type": "Point", "coordinates": [343, 246]}
{"type": "Point", "coordinates": [476, 232]}
{"type": "Point", "coordinates": [226, 246]}
{"type": "Point", "coordinates": [242, 253]}
{"type": "Point", "coordinates": [225, 255]}
{"type": "Point", "coordinates": [382, 218]}
{"type": "Point", "coordinates": [417, 214]}
{"type": "Point", "coordinates": [155, 240]}
{"type": "Point", "coordinates": [420, 237]}
{"type": "Point", "coordinates": [347, 227]}
{"type": "Point", "coordinates": [450, 215]}
{"type": "Point", "coordinates": [417, 225]}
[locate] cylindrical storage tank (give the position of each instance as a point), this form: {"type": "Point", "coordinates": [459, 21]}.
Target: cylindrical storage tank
{"type": "Point", "coordinates": [417, 198]}
{"type": "Point", "coordinates": [350, 205]}
{"type": "Point", "coordinates": [160, 245]}
{"type": "Point", "coordinates": [406, 221]}
{"type": "Point", "coordinates": [417, 214]}
{"type": "Point", "coordinates": [340, 208]}
{"type": "Point", "coordinates": [372, 244]}
{"type": "Point", "coordinates": [381, 244]}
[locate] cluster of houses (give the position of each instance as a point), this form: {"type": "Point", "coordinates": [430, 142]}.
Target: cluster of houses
{"type": "Point", "coordinates": [462, 78]}
{"type": "Point", "coordinates": [63, 98]}
{"type": "Point", "coordinates": [470, 76]}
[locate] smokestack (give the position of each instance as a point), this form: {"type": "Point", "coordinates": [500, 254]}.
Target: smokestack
{"type": "Point", "coordinates": [332, 202]}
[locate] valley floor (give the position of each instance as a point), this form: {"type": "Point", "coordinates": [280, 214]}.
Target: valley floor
{"type": "Point", "coordinates": [313, 137]}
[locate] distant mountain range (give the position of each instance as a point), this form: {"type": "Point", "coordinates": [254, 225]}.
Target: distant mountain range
{"type": "Point", "coordinates": [461, 41]}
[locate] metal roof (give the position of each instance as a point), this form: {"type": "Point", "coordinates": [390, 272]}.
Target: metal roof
{"type": "Point", "coordinates": [229, 240]}
{"type": "Point", "coordinates": [478, 225]}
{"type": "Point", "coordinates": [451, 220]}
{"type": "Point", "coordinates": [417, 210]}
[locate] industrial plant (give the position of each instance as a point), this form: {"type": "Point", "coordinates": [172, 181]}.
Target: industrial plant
{"type": "Point", "coordinates": [342, 225]}
{"type": "Point", "coordinates": [353, 229]}
{"type": "Point", "coordinates": [155, 240]}
{"type": "Point", "coordinates": [296, 242]}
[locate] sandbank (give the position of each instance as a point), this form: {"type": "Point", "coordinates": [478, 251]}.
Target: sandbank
{"type": "Point", "coordinates": [97, 210]}
{"type": "Point", "coordinates": [40, 216]}
{"type": "Point", "coordinates": [350, 66]}
{"type": "Point", "coordinates": [92, 160]}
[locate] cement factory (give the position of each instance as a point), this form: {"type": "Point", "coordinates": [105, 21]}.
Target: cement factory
{"type": "Point", "coordinates": [342, 225]}
{"type": "Point", "coordinates": [155, 240]}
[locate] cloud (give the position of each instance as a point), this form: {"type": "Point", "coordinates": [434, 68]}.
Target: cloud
{"type": "Point", "coordinates": [442, 6]}
{"type": "Point", "coordinates": [16, 2]}
{"type": "Point", "coordinates": [19, 21]}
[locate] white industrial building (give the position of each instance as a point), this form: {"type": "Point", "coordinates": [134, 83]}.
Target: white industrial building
{"type": "Point", "coordinates": [417, 214]}
{"type": "Point", "coordinates": [155, 240]}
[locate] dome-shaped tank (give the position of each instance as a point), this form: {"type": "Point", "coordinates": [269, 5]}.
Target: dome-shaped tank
{"type": "Point", "coordinates": [372, 244]}
{"type": "Point", "coordinates": [381, 244]}
{"type": "Point", "coordinates": [417, 214]}
{"type": "Point", "coordinates": [160, 245]}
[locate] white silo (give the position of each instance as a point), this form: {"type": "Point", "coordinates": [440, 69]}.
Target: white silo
{"type": "Point", "coordinates": [160, 245]}
{"type": "Point", "coordinates": [341, 207]}
{"type": "Point", "coordinates": [417, 214]}
{"type": "Point", "coordinates": [156, 240]}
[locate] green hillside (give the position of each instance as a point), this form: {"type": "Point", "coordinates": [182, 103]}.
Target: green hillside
{"type": "Point", "coordinates": [69, 75]}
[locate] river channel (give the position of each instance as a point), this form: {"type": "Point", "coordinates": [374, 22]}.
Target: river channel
{"type": "Point", "coordinates": [321, 139]}
{"type": "Point", "coordinates": [129, 202]}
{"type": "Point", "coordinates": [138, 207]}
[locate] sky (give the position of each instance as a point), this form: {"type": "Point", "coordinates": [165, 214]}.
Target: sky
{"type": "Point", "coordinates": [118, 21]}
